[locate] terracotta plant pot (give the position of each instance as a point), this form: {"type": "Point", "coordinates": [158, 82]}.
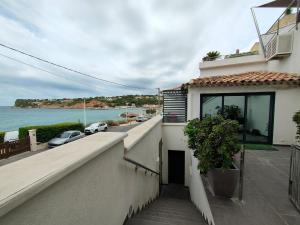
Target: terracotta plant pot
{"type": "Point", "coordinates": [223, 182]}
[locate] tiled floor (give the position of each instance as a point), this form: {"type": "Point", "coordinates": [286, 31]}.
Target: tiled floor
{"type": "Point", "coordinates": [265, 193]}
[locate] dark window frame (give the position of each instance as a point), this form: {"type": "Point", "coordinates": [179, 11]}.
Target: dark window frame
{"type": "Point", "coordinates": [246, 94]}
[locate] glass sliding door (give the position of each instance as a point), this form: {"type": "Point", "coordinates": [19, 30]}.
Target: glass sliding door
{"type": "Point", "coordinates": [258, 118]}
{"type": "Point", "coordinates": [253, 111]}
{"type": "Point", "coordinates": [211, 105]}
{"type": "Point", "coordinates": [234, 109]}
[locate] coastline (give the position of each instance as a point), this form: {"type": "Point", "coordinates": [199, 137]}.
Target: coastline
{"type": "Point", "coordinates": [12, 118]}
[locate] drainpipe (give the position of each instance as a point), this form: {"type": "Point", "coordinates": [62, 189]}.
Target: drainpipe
{"type": "Point", "coordinates": [297, 15]}
{"type": "Point", "coordinates": [258, 32]}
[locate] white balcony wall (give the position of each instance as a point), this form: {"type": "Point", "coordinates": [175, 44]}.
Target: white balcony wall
{"type": "Point", "coordinates": [242, 64]}
{"type": "Point", "coordinates": [286, 104]}
{"type": "Point", "coordinates": [233, 65]}
{"type": "Point", "coordinates": [83, 182]}
{"type": "Point", "coordinates": [197, 191]}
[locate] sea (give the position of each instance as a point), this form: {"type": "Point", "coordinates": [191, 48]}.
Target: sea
{"type": "Point", "coordinates": [11, 118]}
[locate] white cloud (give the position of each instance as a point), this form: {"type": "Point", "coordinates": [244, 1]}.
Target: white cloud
{"type": "Point", "coordinates": [137, 42]}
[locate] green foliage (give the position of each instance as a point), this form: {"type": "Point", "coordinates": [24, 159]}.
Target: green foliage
{"type": "Point", "coordinates": [214, 141]}
{"type": "Point", "coordinates": [150, 111]}
{"type": "Point", "coordinates": [47, 132]}
{"type": "Point", "coordinates": [112, 123]}
{"type": "Point", "coordinates": [296, 119]}
{"type": "Point", "coordinates": [241, 54]}
{"type": "Point", "coordinates": [288, 11]}
{"type": "Point", "coordinates": [212, 55]}
{"type": "Point", "coordinates": [137, 100]}
{"type": "Point", "coordinates": [2, 134]}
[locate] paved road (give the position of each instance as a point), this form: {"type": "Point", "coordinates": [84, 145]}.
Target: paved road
{"type": "Point", "coordinates": [27, 154]}
{"type": "Point", "coordinates": [122, 128]}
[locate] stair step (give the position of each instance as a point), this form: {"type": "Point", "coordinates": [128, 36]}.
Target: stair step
{"type": "Point", "coordinates": [137, 221]}
{"type": "Point", "coordinates": [169, 218]}
{"type": "Point", "coordinates": [150, 221]}
{"type": "Point", "coordinates": [168, 209]}
{"type": "Point", "coordinates": [190, 213]}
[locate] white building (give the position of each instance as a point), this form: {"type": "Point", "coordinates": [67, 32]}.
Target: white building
{"type": "Point", "coordinates": [263, 84]}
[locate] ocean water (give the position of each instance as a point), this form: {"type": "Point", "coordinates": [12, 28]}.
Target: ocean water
{"type": "Point", "coordinates": [12, 118]}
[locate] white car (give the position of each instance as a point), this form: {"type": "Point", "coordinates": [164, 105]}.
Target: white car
{"type": "Point", "coordinates": [95, 127]}
{"type": "Point", "coordinates": [141, 118]}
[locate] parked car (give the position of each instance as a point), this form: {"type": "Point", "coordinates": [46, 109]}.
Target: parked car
{"type": "Point", "coordinates": [141, 118]}
{"type": "Point", "coordinates": [65, 137]}
{"type": "Point", "coordinates": [95, 127]}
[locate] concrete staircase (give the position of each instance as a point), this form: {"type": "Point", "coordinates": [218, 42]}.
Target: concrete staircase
{"type": "Point", "coordinates": [172, 207]}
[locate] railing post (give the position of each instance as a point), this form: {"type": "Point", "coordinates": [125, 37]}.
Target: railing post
{"type": "Point", "coordinates": [32, 138]}
{"type": "Point", "coordinates": [242, 165]}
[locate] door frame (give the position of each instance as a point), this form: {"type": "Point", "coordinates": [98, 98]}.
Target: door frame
{"type": "Point", "coordinates": [247, 94]}
{"type": "Point", "coordinates": [183, 165]}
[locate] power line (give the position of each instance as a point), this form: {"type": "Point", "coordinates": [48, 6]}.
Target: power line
{"type": "Point", "coordinates": [41, 69]}
{"type": "Point", "coordinates": [70, 69]}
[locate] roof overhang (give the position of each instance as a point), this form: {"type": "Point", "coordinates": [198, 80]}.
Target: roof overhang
{"type": "Point", "coordinates": [279, 4]}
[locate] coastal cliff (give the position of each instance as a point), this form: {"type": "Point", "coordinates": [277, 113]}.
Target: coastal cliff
{"type": "Point", "coordinates": [92, 102]}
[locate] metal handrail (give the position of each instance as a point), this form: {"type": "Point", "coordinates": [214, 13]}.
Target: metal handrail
{"type": "Point", "coordinates": [282, 14]}
{"type": "Point", "coordinates": [137, 164]}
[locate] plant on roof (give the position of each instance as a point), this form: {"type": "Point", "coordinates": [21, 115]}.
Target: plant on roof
{"type": "Point", "coordinates": [212, 55]}
{"type": "Point", "coordinates": [214, 141]}
{"type": "Point", "coordinates": [296, 119]}
{"type": "Point", "coordinates": [288, 11]}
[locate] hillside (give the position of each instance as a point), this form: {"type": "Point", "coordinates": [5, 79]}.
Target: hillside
{"type": "Point", "coordinates": [92, 102]}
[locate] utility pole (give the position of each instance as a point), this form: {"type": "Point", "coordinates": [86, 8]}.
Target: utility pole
{"type": "Point", "coordinates": [126, 111]}
{"type": "Point", "coordinates": [84, 112]}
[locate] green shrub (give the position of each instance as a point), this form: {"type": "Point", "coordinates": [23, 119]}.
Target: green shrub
{"type": "Point", "coordinates": [111, 123]}
{"type": "Point", "coordinates": [212, 55]}
{"type": "Point", "coordinates": [46, 132]}
{"type": "Point", "coordinates": [214, 141]}
{"type": "Point", "coordinates": [296, 119]}
{"type": "Point", "coordinates": [2, 134]}
{"type": "Point", "coordinates": [150, 111]}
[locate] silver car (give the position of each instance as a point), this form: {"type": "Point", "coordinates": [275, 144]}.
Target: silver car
{"type": "Point", "coordinates": [65, 137]}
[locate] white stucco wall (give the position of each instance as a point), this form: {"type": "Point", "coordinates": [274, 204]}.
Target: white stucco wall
{"type": "Point", "coordinates": [233, 65]}
{"type": "Point", "coordinates": [197, 191]}
{"type": "Point", "coordinates": [83, 182]}
{"type": "Point", "coordinates": [174, 139]}
{"type": "Point", "coordinates": [288, 64]}
{"type": "Point", "coordinates": [287, 102]}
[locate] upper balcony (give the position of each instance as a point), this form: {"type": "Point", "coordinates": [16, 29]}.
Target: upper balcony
{"type": "Point", "coordinates": [231, 60]}
{"type": "Point", "coordinates": [278, 40]}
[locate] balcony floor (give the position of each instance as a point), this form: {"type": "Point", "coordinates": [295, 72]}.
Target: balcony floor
{"type": "Point", "coordinates": [265, 193]}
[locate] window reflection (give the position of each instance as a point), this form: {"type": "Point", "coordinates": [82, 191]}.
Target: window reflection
{"type": "Point", "coordinates": [211, 105]}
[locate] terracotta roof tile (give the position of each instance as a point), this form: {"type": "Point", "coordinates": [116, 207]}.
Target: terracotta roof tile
{"type": "Point", "coordinates": [248, 78]}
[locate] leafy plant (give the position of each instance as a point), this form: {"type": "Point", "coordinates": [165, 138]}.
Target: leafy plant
{"type": "Point", "coordinates": [2, 134]}
{"type": "Point", "coordinates": [288, 11]}
{"type": "Point", "coordinates": [212, 55]}
{"type": "Point", "coordinates": [214, 141]}
{"type": "Point", "coordinates": [150, 111]}
{"type": "Point", "coordinates": [296, 119]}
{"type": "Point", "coordinates": [47, 132]}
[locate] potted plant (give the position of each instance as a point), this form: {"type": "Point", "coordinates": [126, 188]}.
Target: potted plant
{"type": "Point", "coordinates": [215, 142]}
{"type": "Point", "coordinates": [211, 56]}
{"type": "Point", "coordinates": [296, 119]}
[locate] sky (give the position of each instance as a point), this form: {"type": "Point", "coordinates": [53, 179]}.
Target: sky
{"type": "Point", "coordinates": [144, 43]}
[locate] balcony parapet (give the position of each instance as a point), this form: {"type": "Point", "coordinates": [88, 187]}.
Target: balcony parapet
{"type": "Point", "coordinates": [23, 179]}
